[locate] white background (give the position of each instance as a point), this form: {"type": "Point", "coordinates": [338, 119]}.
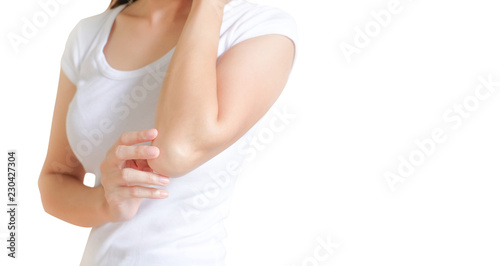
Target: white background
{"type": "Point", "coordinates": [323, 176]}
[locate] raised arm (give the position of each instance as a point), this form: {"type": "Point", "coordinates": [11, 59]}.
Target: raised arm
{"type": "Point", "coordinates": [204, 105]}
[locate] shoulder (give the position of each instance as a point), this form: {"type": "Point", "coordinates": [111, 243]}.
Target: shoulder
{"type": "Point", "coordinates": [80, 41]}
{"type": "Point", "coordinates": [241, 7]}
{"type": "Point", "coordinates": [244, 12]}
{"type": "Point", "coordinates": [244, 20]}
{"type": "Point", "coordinates": [88, 27]}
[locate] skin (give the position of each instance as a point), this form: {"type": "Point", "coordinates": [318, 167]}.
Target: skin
{"type": "Point", "coordinates": [204, 106]}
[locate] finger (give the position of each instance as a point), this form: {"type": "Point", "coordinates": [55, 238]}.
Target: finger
{"type": "Point", "coordinates": [133, 177]}
{"type": "Point", "coordinates": [136, 137]}
{"type": "Point", "coordinates": [130, 138]}
{"type": "Point", "coordinates": [123, 153]}
{"type": "Point", "coordinates": [143, 192]}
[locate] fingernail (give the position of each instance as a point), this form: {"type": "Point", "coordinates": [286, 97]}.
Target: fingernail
{"type": "Point", "coordinates": [151, 151]}
{"type": "Point", "coordinates": [152, 133]}
{"type": "Point", "coordinates": [164, 181]}
{"type": "Point", "coordinates": [163, 193]}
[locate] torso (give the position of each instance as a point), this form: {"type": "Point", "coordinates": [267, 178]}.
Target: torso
{"type": "Point", "coordinates": [187, 228]}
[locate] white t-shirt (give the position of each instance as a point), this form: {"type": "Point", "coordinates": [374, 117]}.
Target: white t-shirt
{"type": "Point", "coordinates": [187, 227]}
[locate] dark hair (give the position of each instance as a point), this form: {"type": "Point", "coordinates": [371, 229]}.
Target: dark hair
{"type": "Point", "coordinates": [119, 3]}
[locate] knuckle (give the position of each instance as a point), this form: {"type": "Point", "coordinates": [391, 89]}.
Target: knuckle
{"type": "Point", "coordinates": [143, 150]}
{"type": "Point", "coordinates": [151, 179]}
{"type": "Point", "coordinates": [119, 151]}
{"type": "Point", "coordinates": [135, 192]}
{"type": "Point", "coordinates": [123, 137]}
{"type": "Point", "coordinates": [141, 135]}
{"type": "Point", "coordinates": [138, 150]}
{"type": "Point", "coordinates": [125, 175]}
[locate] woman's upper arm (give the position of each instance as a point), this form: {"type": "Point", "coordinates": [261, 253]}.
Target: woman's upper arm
{"type": "Point", "coordinates": [60, 158]}
{"type": "Point", "coordinates": [250, 77]}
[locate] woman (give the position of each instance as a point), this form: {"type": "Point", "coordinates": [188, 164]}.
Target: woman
{"type": "Point", "coordinates": [155, 93]}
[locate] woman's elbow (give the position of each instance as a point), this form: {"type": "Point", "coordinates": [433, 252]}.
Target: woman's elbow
{"type": "Point", "coordinates": [174, 160]}
{"type": "Point", "coordinates": [181, 154]}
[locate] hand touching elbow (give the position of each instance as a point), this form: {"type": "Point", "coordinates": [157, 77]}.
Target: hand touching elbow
{"type": "Point", "coordinates": [181, 154]}
{"type": "Point", "coordinates": [126, 176]}
{"type": "Point", "coordinates": [174, 160]}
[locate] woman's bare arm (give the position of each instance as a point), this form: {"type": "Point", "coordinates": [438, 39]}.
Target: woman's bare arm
{"type": "Point", "coordinates": [204, 105]}
{"type": "Point", "coordinates": [61, 179]}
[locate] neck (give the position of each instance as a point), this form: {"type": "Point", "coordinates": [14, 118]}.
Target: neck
{"type": "Point", "coordinates": [159, 11]}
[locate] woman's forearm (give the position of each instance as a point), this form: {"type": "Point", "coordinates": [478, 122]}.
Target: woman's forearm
{"type": "Point", "coordinates": [187, 112]}
{"type": "Point", "coordinates": [66, 198]}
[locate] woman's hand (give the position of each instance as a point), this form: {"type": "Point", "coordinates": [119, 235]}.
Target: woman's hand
{"type": "Point", "coordinates": [126, 175]}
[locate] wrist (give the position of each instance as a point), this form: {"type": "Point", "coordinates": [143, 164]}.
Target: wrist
{"type": "Point", "coordinates": [104, 209]}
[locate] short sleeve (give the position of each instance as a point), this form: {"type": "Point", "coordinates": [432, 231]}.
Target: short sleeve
{"type": "Point", "coordinates": [263, 21]}
{"type": "Point", "coordinates": [71, 55]}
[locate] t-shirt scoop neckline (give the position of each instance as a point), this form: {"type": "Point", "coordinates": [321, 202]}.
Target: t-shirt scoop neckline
{"type": "Point", "coordinates": [102, 63]}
